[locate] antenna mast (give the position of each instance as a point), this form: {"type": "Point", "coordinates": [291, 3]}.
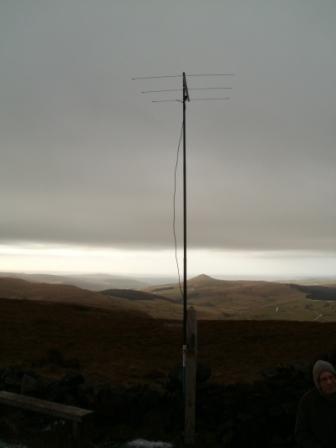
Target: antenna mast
{"type": "Point", "coordinates": [185, 265]}
{"type": "Point", "coordinates": [188, 358]}
{"type": "Point", "coordinates": [185, 98]}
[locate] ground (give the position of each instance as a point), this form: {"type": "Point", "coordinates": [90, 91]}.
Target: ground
{"type": "Point", "coordinates": [126, 348]}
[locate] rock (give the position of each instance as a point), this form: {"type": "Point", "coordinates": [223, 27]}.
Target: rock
{"type": "Point", "coordinates": [269, 373]}
{"type": "Point", "coordinates": [30, 384]}
{"type": "Point", "coordinates": [71, 380]}
{"type": "Point", "coordinates": [53, 391]}
{"type": "Point", "coordinates": [11, 378]}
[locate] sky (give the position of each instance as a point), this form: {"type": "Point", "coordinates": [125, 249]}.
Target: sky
{"type": "Point", "coordinates": [87, 160]}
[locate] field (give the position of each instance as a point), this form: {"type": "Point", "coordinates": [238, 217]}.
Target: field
{"type": "Point", "coordinates": [127, 347]}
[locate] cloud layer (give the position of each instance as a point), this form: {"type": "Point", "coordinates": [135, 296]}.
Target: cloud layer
{"type": "Point", "coordinates": [85, 158]}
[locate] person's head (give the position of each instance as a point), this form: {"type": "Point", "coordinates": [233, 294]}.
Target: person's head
{"type": "Point", "coordinates": [324, 376]}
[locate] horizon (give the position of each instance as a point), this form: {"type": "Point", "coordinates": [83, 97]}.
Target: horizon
{"type": "Point", "coordinates": [171, 279]}
{"type": "Point", "coordinates": [67, 260]}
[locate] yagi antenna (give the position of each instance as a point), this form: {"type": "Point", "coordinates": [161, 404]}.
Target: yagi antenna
{"type": "Point", "coordinates": [185, 97]}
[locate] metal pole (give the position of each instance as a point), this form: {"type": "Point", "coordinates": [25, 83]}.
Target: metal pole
{"type": "Point", "coordinates": [185, 292]}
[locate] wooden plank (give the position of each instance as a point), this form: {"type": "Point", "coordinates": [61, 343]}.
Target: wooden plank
{"type": "Point", "coordinates": [45, 407]}
{"type": "Point", "coordinates": [190, 378]}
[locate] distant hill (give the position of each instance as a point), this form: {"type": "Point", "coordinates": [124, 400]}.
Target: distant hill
{"type": "Point", "coordinates": [258, 300]}
{"type": "Point", "coordinates": [17, 289]}
{"type": "Point", "coordinates": [212, 298]}
{"type": "Point", "coordinates": [93, 282]}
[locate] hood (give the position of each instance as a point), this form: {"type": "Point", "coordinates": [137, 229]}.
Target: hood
{"type": "Point", "coordinates": [319, 367]}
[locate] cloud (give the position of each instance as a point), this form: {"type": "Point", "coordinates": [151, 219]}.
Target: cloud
{"type": "Point", "coordinates": [87, 159]}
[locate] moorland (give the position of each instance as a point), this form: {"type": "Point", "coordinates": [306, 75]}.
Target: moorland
{"type": "Point", "coordinates": [127, 336]}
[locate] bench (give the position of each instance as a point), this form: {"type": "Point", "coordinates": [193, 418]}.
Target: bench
{"type": "Point", "coordinates": [58, 410]}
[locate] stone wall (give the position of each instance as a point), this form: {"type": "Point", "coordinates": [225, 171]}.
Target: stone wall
{"type": "Point", "coordinates": [261, 414]}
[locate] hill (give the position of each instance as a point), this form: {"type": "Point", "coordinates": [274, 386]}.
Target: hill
{"type": "Point", "coordinates": [92, 282]}
{"type": "Point", "coordinates": [212, 298]}
{"type": "Point", "coordinates": [257, 300]}
{"type": "Point", "coordinates": [14, 288]}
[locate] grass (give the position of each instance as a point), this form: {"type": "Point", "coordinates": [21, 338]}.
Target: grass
{"type": "Point", "coordinates": [126, 348]}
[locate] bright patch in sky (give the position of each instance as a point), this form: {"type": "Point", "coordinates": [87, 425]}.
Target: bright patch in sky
{"type": "Point", "coordinates": [50, 258]}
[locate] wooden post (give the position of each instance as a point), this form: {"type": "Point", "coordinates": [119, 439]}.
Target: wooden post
{"type": "Point", "coordinates": [190, 378]}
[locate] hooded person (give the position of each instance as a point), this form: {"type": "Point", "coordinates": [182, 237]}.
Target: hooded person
{"type": "Point", "coordinates": [316, 416]}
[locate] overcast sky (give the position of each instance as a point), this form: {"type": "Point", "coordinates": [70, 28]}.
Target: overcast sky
{"type": "Point", "coordinates": [87, 161]}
